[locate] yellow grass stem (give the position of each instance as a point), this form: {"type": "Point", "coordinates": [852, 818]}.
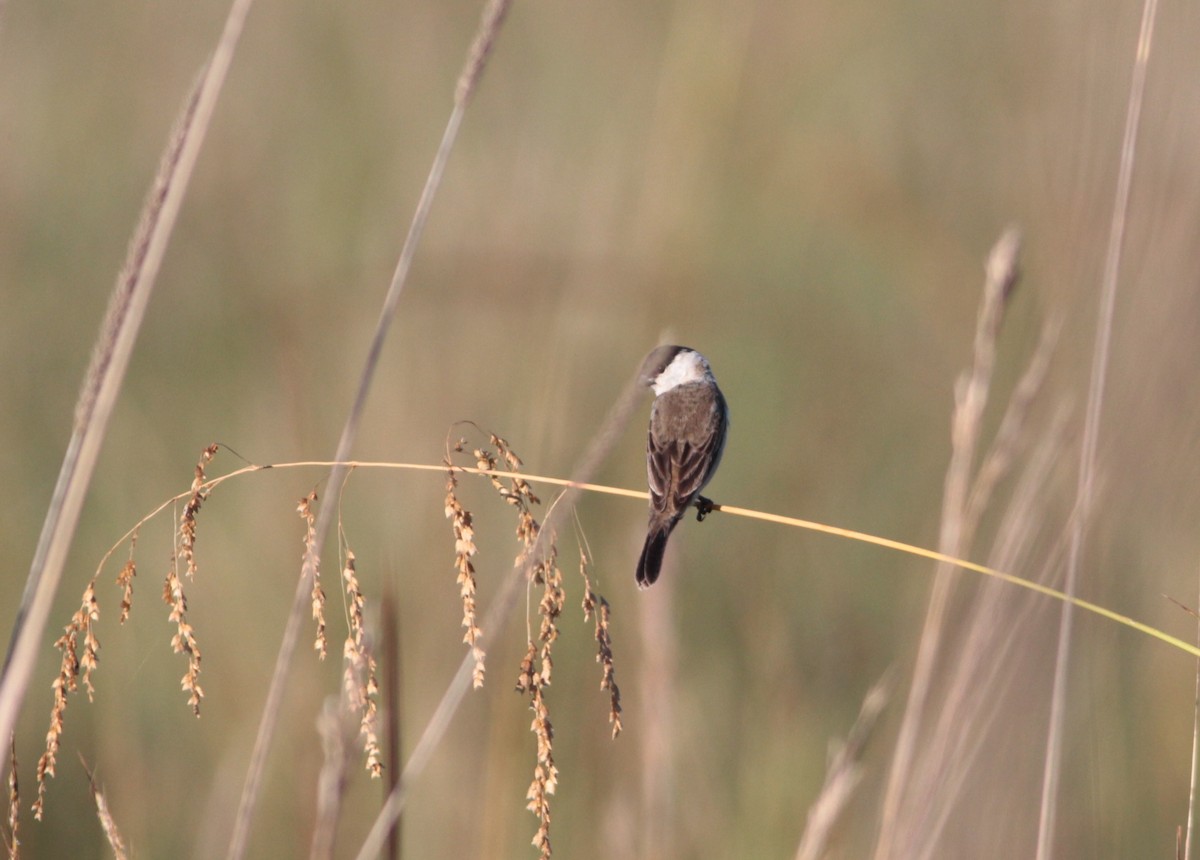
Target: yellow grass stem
{"type": "Point", "coordinates": [810, 525]}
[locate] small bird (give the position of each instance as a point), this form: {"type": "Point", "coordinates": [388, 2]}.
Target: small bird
{"type": "Point", "coordinates": [687, 437]}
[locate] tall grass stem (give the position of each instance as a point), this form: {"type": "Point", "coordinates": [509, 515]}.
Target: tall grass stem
{"type": "Point", "coordinates": [476, 60]}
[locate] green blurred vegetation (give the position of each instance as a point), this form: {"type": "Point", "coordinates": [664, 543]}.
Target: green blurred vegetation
{"type": "Point", "coordinates": [804, 192]}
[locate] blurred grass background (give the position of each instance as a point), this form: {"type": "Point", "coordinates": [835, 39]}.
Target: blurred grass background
{"type": "Point", "coordinates": [804, 192]}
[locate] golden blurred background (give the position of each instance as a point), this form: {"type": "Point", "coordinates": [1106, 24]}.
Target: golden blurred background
{"type": "Point", "coordinates": [805, 193]}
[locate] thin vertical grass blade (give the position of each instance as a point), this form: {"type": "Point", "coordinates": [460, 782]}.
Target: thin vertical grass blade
{"type": "Point", "coordinates": [110, 360]}
{"type": "Point", "coordinates": [1091, 432]}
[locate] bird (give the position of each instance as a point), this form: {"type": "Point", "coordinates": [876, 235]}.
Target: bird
{"type": "Point", "coordinates": [688, 423]}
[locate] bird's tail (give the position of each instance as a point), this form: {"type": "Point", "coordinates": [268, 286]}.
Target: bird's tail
{"type": "Point", "coordinates": [652, 555]}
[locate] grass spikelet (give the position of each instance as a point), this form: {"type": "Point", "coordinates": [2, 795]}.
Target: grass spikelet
{"type": "Point", "coordinates": [544, 572]}
{"type": "Point", "coordinates": [184, 640]}
{"type": "Point", "coordinates": [525, 677]}
{"type": "Point", "coordinates": [107, 824]}
{"type": "Point", "coordinates": [125, 581]}
{"type": "Point", "coordinates": [545, 773]}
{"type": "Point", "coordinates": [68, 682]}
{"type": "Point", "coordinates": [548, 574]}
{"type": "Point", "coordinates": [360, 682]}
{"type": "Point", "coordinates": [304, 508]}
{"type": "Point", "coordinates": [13, 842]}
{"type": "Point", "coordinates": [464, 549]}
{"type": "Point", "coordinates": [187, 520]}
{"type": "Point", "coordinates": [88, 612]}
{"type": "Point", "coordinates": [595, 604]}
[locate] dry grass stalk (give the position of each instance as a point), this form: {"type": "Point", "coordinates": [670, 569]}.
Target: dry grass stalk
{"type": "Point", "coordinates": [184, 640]}
{"type": "Point", "coordinates": [106, 370]}
{"type": "Point", "coordinates": [334, 729]}
{"type": "Point", "coordinates": [842, 775]}
{"type": "Point", "coordinates": [983, 664]}
{"type": "Point", "coordinates": [594, 603]}
{"type": "Point", "coordinates": [970, 398]}
{"type": "Point", "coordinates": [360, 683]}
{"type": "Point", "coordinates": [1010, 436]}
{"type": "Point", "coordinates": [978, 667]}
{"type": "Point", "coordinates": [107, 823]}
{"type": "Point", "coordinates": [187, 520]}
{"type": "Point", "coordinates": [68, 682]}
{"type": "Point", "coordinates": [13, 837]}
{"type": "Point", "coordinates": [311, 560]}
{"type": "Point", "coordinates": [464, 549]}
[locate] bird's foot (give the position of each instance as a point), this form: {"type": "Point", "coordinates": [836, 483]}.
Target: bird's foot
{"type": "Point", "coordinates": [704, 507]}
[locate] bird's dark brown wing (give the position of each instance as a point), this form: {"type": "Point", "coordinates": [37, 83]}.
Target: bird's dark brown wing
{"type": "Point", "coordinates": [683, 452]}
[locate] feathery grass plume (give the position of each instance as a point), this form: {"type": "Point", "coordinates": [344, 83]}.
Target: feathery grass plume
{"type": "Point", "coordinates": [107, 824]}
{"type": "Point", "coordinates": [359, 680]}
{"type": "Point", "coordinates": [184, 640]}
{"type": "Point", "coordinates": [595, 603]}
{"type": "Point", "coordinates": [13, 842]}
{"type": "Point", "coordinates": [187, 520]}
{"type": "Point", "coordinates": [464, 548]}
{"type": "Point", "coordinates": [842, 775]}
{"type": "Point", "coordinates": [304, 508]}
{"type": "Point", "coordinates": [68, 682]}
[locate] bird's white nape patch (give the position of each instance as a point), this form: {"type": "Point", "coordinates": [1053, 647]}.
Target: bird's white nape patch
{"type": "Point", "coordinates": [686, 366]}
